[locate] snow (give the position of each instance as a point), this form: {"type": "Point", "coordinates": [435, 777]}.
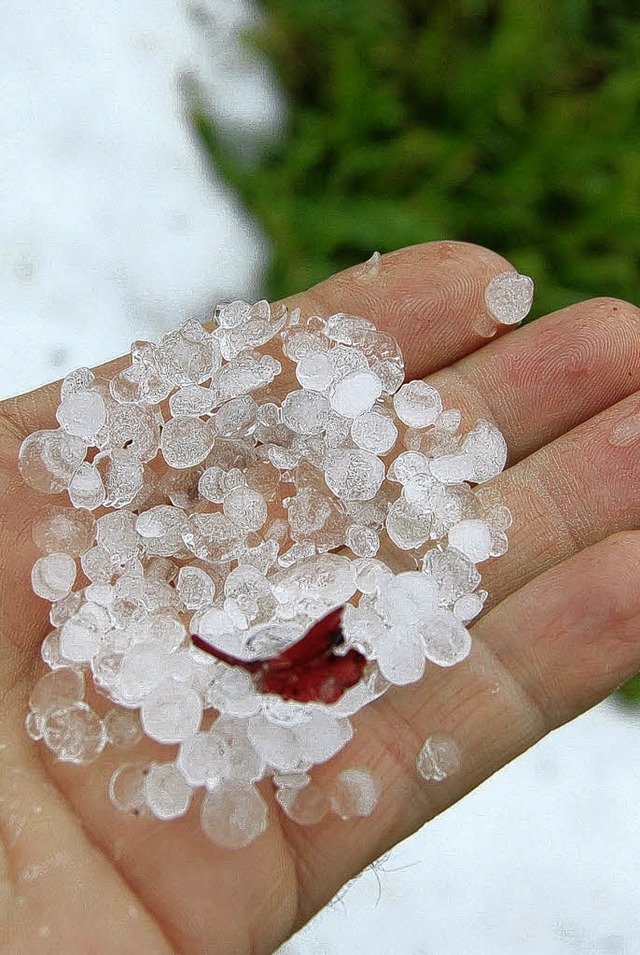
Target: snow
{"type": "Point", "coordinates": [540, 859]}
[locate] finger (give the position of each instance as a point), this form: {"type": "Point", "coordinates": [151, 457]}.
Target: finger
{"type": "Point", "coordinates": [430, 297]}
{"type": "Point", "coordinates": [568, 495]}
{"type": "Point", "coordinates": [558, 646]}
{"type": "Point", "coordinates": [544, 379]}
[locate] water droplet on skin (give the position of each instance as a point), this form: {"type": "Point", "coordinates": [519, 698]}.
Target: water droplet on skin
{"type": "Point", "coordinates": [626, 432]}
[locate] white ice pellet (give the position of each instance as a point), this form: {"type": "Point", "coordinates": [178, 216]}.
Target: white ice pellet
{"type": "Point", "coordinates": [56, 689]}
{"type": "Point", "coordinates": [49, 459]}
{"type": "Point", "coordinates": [245, 507]}
{"type": "Point", "coordinates": [126, 788]}
{"type": "Point", "coordinates": [306, 805]}
{"type": "Point", "coordinates": [63, 530]}
{"type": "Point", "coordinates": [53, 576]}
{"type": "Point", "coordinates": [369, 270]}
{"type": "Point", "coordinates": [166, 792]}
{"type": "Point", "coordinates": [203, 759]}
{"type": "Point", "coordinates": [408, 525]}
{"type": "Point", "coordinates": [390, 373]}
{"type": "Point", "coordinates": [192, 401]}
{"type": "Point", "coordinates": [355, 393]}
{"type": "Point", "coordinates": [363, 541]}
{"type": "Point", "coordinates": [401, 657]}
{"type": "Point", "coordinates": [122, 475]}
{"type": "Point", "coordinates": [97, 564]}
{"type": "Point", "coordinates": [315, 371]}
{"type": "Point", "coordinates": [82, 413]}
{"type": "Point", "coordinates": [455, 574]}
{"type": "Point", "coordinates": [472, 538]}
{"type": "Point", "coordinates": [135, 428]}
{"type": "Point", "coordinates": [354, 475]}
{"type": "Point", "coordinates": [233, 814]}
{"type": "Point", "coordinates": [236, 417]}
{"type": "Point", "coordinates": [87, 487]}
{"type": "Point", "coordinates": [446, 640]}
{"type": "Point", "coordinates": [116, 533]}
{"type": "Point", "coordinates": [186, 442]}
{"type": "Point", "coordinates": [305, 412]}
{"type": "Point", "coordinates": [355, 792]}
{"type": "Point", "coordinates": [80, 379]}
{"type": "Point", "coordinates": [374, 432]}
{"type": "Point", "coordinates": [74, 733]}
{"type": "Point", "coordinates": [195, 588]}
{"type": "Point", "coordinates": [123, 727]}
{"type": "Point", "coordinates": [508, 297]}
{"type": "Point", "coordinates": [171, 713]}
{"type": "Point", "coordinates": [467, 607]}
{"type": "Point", "coordinates": [487, 449]}
{"type": "Point", "coordinates": [417, 404]}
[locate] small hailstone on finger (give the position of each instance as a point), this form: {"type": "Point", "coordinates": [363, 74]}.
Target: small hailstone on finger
{"type": "Point", "coordinates": [82, 413]}
{"type": "Point", "coordinates": [49, 459]}
{"type": "Point", "coordinates": [186, 442]}
{"type": "Point", "coordinates": [126, 788]}
{"type": "Point", "coordinates": [123, 727]}
{"type": "Point", "coordinates": [56, 689]}
{"type": "Point", "coordinates": [74, 733]}
{"type": "Point", "coordinates": [363, 541]}
{"type": "Point", "coordinates": [472, 538]}
{"type": "Point", "coordinates": [171, 713]}
{"type": "Point", "coordinates": [369, 270]}
{"type": "Point", "coordinates": [417, 404]}
{"type": "Point", "coordinates": [356, 792]}
{"type": "Point", "coordinates": [374, 432]}
{"type": "Point", "coordinates": [52, 577]}
{"type": "Point", "coordinates": [315, 371]}
{"type": "Point", "coordinates": [306, 805]}
{"type": "Point", "coordinates": [439, 758]}
{"type": "Point", "coordinates": [354, 475]}
{"type": "Point", "coordinates": [508, 297]}
{"type": "Point", "coordinates": [195, 588]}
{"type": "Point", "coordinates": [166, 792]}
{"type": "Point", "coordinates": [87, 488]}
{"type": "Point", "coordinates": [355, 393]}
{"type": "Point", "coordinates": [233, 814]}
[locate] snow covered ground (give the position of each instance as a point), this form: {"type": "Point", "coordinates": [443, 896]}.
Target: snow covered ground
{"type": "Point", "coordinates": [112, 230]}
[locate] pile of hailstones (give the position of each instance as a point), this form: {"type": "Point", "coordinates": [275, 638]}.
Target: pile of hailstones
{"type": "Point", "coordinates": [203, 501]}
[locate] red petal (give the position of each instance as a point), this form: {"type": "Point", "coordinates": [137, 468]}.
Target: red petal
{"type": "Point", "coordinates": [309, 671]}
{"type": "Point", "coordinates": [321, 681]}
{"type": "Point", "coordinates": [320, 638]}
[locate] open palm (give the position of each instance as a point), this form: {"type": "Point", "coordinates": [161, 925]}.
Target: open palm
{"type": "Point", "coordinates": [559, 634]}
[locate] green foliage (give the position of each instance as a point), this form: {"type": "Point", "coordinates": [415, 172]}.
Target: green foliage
{"type": "Point", "coordinates": [629, 692]}
{"type": "Point", "coordinates": [509, 123]}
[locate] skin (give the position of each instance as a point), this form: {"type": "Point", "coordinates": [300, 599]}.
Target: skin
{"type": "Point", "coordinates": [560, 633]}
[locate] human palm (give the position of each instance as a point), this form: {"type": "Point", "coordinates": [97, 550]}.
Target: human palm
{"type": "Point", "coordinates": [559, 633]}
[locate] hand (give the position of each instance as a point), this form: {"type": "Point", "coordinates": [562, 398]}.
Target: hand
{"type": "Point", "coordinates": [559, 634]}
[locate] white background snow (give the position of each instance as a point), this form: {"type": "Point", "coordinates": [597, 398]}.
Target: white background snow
{"type": "Point", "coordinates": [111, 229]}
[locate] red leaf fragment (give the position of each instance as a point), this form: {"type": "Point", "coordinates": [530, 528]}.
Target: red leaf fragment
{"type": "Point", "coordinates": [310, 670]}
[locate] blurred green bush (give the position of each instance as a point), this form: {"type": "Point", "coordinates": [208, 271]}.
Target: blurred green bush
{"type": "Point", "coordinates": [511, 123]}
